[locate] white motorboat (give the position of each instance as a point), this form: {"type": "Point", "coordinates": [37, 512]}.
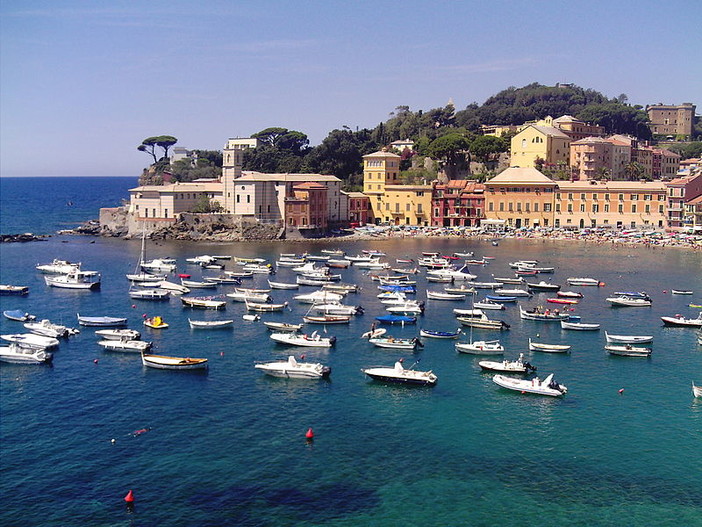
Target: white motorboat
{"type": "Point", "coordinates": [483, 322]}
{"type": "Point", "coordinates": [489, 304]}
{"type": "Point", "coordinates": [202, 260]}
{"type": "Point", "coordinates": [159, 265]}
{"type": "Point", "coordinates": [512, 281]}
{"type": "Point", "coordinates": [118, 334]}
{"type": "Point", "coordinates": [104, 321]}
{"type": "Point", "coordinates": [481, 347]}
{"type": "Point", "coordinates": [30, 340]}
{"type": "Point", "coordinates": [264, 307]}
{"type": "Point", "coordinates": [293, 369]}
{"type": "Point", "coordinates": [18, 315]}
{"type": "Point", "coordinates": [359, 258]}
{"type": "Point", "coordinates": [512, 292]}
{"type": "Point", "coordinates": [549, 348]}
{"type": "Point", "coordinates": [468, 313]}
{"type": "Point", "coordinates": [461, 289]}
{"type": "Point", "coordinates": [696, 390]}
{"type": "Point", "coordinates": [149, 294]}
{"type": "Point", "coordinates": [486, 285]}
{"type": "Point", "coordinates": [395, 343]}
{"type": "Point", "coordinates": [282, 285]}
{"type": "Point", "coordinates": [164, 362]}
{"type": "Point", "coordinates": [319, 297]}
{"type": "Point", "coordinates": [125, 345]}
{"type": "Point", "coordinates": [146, 278]}
{"type": "Point", "coordinates": [440, 295]}
{"type": "Point", "coordinates": [203, 302]}
{"type": "Point", "coordinates": [626, 301]}
{"type": "Point", "coordinates": [410, 307]}
{"type": "Point", "coordinates": [314, 340]}
{"type": "Point", "coordinates": [210, 324]}
{"type": "Point", "coordinates": [258, 268]}
{"type": "Point", "coordinates": [333, 252]}
{"type": "Point", "coordinates": [543, 286]}
{"type": "Point", "coordinates": [195, 284]}
{"type": "Point", "coordinates": [59, 267]}
{"type": "Point", "coordinates": [84, 280]}
{"type": "Point", "coordinates": [17, 354]}
{"type": "Point", "coordinates": [627, 350]}
{"type": "Point", "coordinates": [584, 282]}
{"type": "Point", "coordinates": [628, 339]}
{"type": "Point", "coordinates": [327, 319]}
{"type": "Point", "coordinates": [245, 296]}
{"type": "Point", "coordinates": [46, 328]}
{"type": "Point", "coordinates": [546, 387]}
{"type": "Point", "coordinates": [282, 326]}
{"type": "Point", "coordinates": [290, 262]}
{"type": "Point", "coordinates": [454, 274]}
{"type": "Point", "coordinates": [680, 320]}
{"type": "Point", "coordinates": [401, 375]}
{"type": "Point", "coordinates": [341, 288]}
{"type": "Point", "coordinates": [506, 366]}
{"type": "Point", "coordinates": [337, 309]}
{"type": "Point", "coordinates": [681, 292]}
{"type": "Point", "coordinates": [173, 287]}
{"type": "Point", "coordinates": [569, 294]}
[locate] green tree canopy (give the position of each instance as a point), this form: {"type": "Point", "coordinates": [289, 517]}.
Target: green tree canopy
{"type": "Point", "coordinates": [149, 145]}
{"type": "Point", "coordinates": [485, 147]}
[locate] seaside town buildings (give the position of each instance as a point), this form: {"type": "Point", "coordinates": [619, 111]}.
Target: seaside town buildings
{"type": "Point", "coordinates": [671, 120]}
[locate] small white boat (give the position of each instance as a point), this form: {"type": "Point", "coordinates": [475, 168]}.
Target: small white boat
{"type": "Point", "coordinates": [628, 339]}
{"type": "Point", "coordinates": [210, 324]}
{"type": "Point", "coordinates": [543, 286]}
{"type": "Point", "coordinates": [337, 309]}
{"type": "Point", "coordinates": [118, 334]}
{"type": "Point", "coordinates": [245, 296]}
{"type": "Point", "coordinates": [251, 318]}
{"type": "Point", "coordinates": [164, 362]}
{"type": "Point", "coordinates": [439, 295]}
{"type": "Point", "coordinates": [506, 366]}
{"type": "Point", "coordinates": [481, 347]}
{"type": "Point", "coordinates": [314, 340]}
{"type": "Point", "coordinates": [454, 274]}
{"type": "Point", "coordinates": [47, 329]}
{"type": "Point", "coordinates": [282, 285]}
{"type": "Point", "coordinates": [327, 319]}
{"type": "Point", "coordinates": [292, 369]}
{"type": "Point", "coordinates": [546, 387]}
{"type": "Point", "coordinates": [18, 315]}
{"type": "Point", "coordinates": [548, 348]}
{"type": "Point", "coordinates": [282, 326]}
{"type": "Point", "coordinates": [319, 297]}
{"type": "Point", "coordinates": [579, 326]}
{"type": "Point", "coordinates": [681, 292]}
{"type": "Point", "coordinates": [258, 268]}
{"type": "Point", "coordinates": [105, 322]}
{"type": "Point", "coordinates": [395, 343]}
{"type": "Point", "coordinates": [489, 304]}
{"type": "Point", "coordinates": [30, 340]}
{"type": "Point", "coordinates": [512, 292]}
{"type": "Point", "coordinates": [172, 286]}
{"type": "Point", "coordinates": [569, 294]}
{"type": "Point", "coordinates": [401, 375]}
{"type": "Point", "coordinates": [146, 278]}
{"type": "Point", "coordinates": [627, 350]}
{"type": "Point", "coordinates": [461, 289]}
{"type": "Point", "coordinates": [83, 280]}
{"type": "Point", "coordinates": [407, 308]}
{"type": "Point", "coordinates": [159, 265]}
{"type": "Point", "coordinates": [541, 315]}
{"type": "Point", "coordinates": [263, 307]}
{"type": "Point", "coordinates": [59, 267]}
{"type": "Point", "coordinates": [696, 390]}
{"type": "Point", "coordinates": [149, 294]}
{"type": "Point", "coordinates": [125, 345]}
{"type": "Point", "coordinates": [680, 320]}
{"type": "Point", "coordinates": [17, 354]}
{"type": "Point", "coordinates": [483, 322]}
{"type": "Point", "coordinates": [625, 301]}
{"type": "Point", "coordinates": [194, 284]}
{"type": "Point", "coordinates": [584, 282]}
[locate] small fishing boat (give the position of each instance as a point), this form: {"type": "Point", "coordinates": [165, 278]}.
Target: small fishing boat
{"type": "Point", "coordinates": [118, 334]}
{"type": "Point", "coordinates": [17, 354]}
{"type": "Point", "coordinates": [155, 323]}
{"type": "Point", "coordinates": [265, 307]}
{"type": "Point", "coordinates": [173, 287]}
{"type": "Point", "coordinates": [696, 390]}
{"type": "Point", "coordinates": [395, 343]}
{"type": "Point", "coordinates": [480, 347]}
{"type": "Point", "coordinates": [628, 301]}
{"type": "Point", "coordinates": [314, 340]}
{"type": "Point", "coordinates": [681, 292]}
{"type": "Point", "coordinates": [194, 284]}
{"type": "Point", "coordinates": [428, 333]}
{"type": "Point", "coordinates": [18, 315]}
{"type": "Point", "coordinates": [104, 322]}
{"type": "Point", "coordinates": [396, 319]}
{"type": "Point", "coordinates": [337, 309]}
{"type": "Point", "coordinates": [319, 297]}
{"type": "Point", "coordinates": [511, 293]}
{"type": "Point", "coordinates": [149, 294]}
{"type": "Point", "coordinates": [462, 289]}
{"type": "Point", "coordinates": [294, 369]}
{"type": "Point", "coordinates": [282, 326]}
{"type": "Point", "coordinates": [439, 295]}
{"type": "Point", "coordinates": [546, 387]}
{"type": "Point", "coordinates": [164, 362]}
{"type": "Point", "coordinates": [512, 281]}
{"type": "Point", "coordinates": [338, 264]}
{"type": "Point", "coordinates": [569, 294]}
{"type": "Point", "coordinates": [406, 308]}
{"type": "Point", "coordinates": [681, 321]}
{"type": "Point", "coordinates": [489, 304]}
{"type": "Point", "coordinates": [343, 288]}
{"type": "Point", "coordinates": [543, 286]}
{"type": "Point", "coordinates": [333, 252]}
{"type": "Point", "coordinates": [573, 324]}
{"type": "Point", "coordinates": [203, 302]}
{"type": "Point", "coordinates": [501, 299]}
{"type": "Point", "coordinates": [282, 285]}
{"type": "Point", "coordinates": [548, 348]}
{"type": "Point", "coordinates": [251, 318]}
{"type": "Point", "coordinates": [130, 346]}
{"type": "Point", "coordinates": [160, 265]}
{"type": "Point", "coordinates": [440, 279]}
{"type": "Point", "coordinates": [506, 366]}
{"type": "Point", "coordinates": [628, 339]}
{"type": "Point", "coordinates": [398, 374]}
{"type": "Point", "coordinates": [584, 282]}
{"type": "Point", "coordinates": [627, 350]}
{"type": "Point", "coordinates": [247, 296]}
{"type": "Point", "coordinates": [210, 324]}
{"type": "Point", "coordinates": [145, 278]}
{"type": "Point", "coordinates": [82, 280]}
{"type": "Point", "coordinates": [542, 316]}
{"type": "Point", "coordinates": [223, 280]}
{"type": "Point", "coordinates": [483, 322]}
{"type": "Point", "coordinates": [30, 340]}
{"type": "Point", "coordinates": [327, 319]}
{"type": "Point", "coordinates": [486, 285]}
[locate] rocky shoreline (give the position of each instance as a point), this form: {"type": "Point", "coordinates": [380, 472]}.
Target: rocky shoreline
{"type": "Point", "coordinates": [23, 238]}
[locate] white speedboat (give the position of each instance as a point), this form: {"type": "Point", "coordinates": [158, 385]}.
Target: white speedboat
{"type": "Point", "coordinates": [319, 297]}
{"type": "Point", "coordinates": [483, 322]}
{"type": "Point", "coordinates": [481, 347]}
{"type": "Point", "coordinates": [546, 387]}
{"type": "Point", "coordinates": [118, 334]}
{"type": "Point", "coordinates": [626, 301]}
{"type": "Point", "coordinates": [17, 354]}
{"type": "Point", "coordinates": [680, 320]}
{"type": "Point", "coordinates": [160, 265]}
{"type": "Point", "coordinates": [584, 282]}
{"type": "Point", "coordinates": [164, 362]}
{"type": "Point", "coordinates": [30, 340]}
{"type": "Point", "coordinates": [281, 327]}
{"type": "Point", "coordinates": [395, 343]}
{"type": "Point", "coordinates": [506, 366]}
{"type": "Point", "coordinates": [105, 322]}
{"type": "Point", "coordinates": [282, 285]}
{"type": "Point", "coordinates": [292, 369]}
{"type": "Point", "coordinates": [146, 278]}
{"type": "Point", "coordinates": [172, 286]}
{"type": "Point", "coordinates": [399, 374]}
{"type": "Point", "coordinates": [85, 280]}
{"type": "Point", "coordinates": [628, 339]}
{"type": "Point", "coordinates": [47, 329]}
{"type": "Point", "coordinates": [681, 292]}
{"type": "Point", "coordinates": [627, 350]}
{"type": "Point", "coordinates": [314, 340]}
{"type": "Point", "coordinates": [59, 267]}
{"type": "Point", "coordinates": [203, 302]}
{"type": "Point", "coordinates": [125, 345]}
{"type": "Point", "coordinates": [454, 274]}
{"type": "Point", "coordinates": [149, 294]}
{"type": "Point", "coordinates": [489, 304]}
{"type": "Point", "coordinates": [439, 295]}
{"type": "Point", "coordinates": [548, 348]}
{"type": "Point", "coordinates": [195, 284]}
{"type": "Point", "coordinates": [512, 292]}
{"type": "Point", "coordinates": [245, 296]}
{"type": "Point", "coordinates": [337, 309]}
{"type": "Point", "coordinates": [18, 315]}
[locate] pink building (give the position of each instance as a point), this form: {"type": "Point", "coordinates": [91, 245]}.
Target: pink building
{"type": "Point", "coordinates": [458, 203]}
{"type": "Point", "coordinates": [680, 191]}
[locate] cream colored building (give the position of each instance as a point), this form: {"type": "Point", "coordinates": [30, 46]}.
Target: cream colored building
{"type": "Point", "coordinates": [521, 197]}
{"type": "Point", "coordinates": [165, 202]}
{"type": "Point", "coordinates": [590, 158]}
{"type": "Point", "coordinates": [672, 120]}
{"type": "Point", "coordinates": [539, 142]}
{"type": "Point", "coordinates": [616, 204]}
{"type": "Point", "coordinates": [232, 164]}
{"type": "Point", "coordinates": [572, 127]}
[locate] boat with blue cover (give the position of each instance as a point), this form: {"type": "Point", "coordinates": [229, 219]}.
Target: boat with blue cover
{"type": "Point", "coordinates": [396, 319]}
{"type": "Point", "coordinates": [439, 334]}
{"type": "Point", "coordinates": [104, 322]}
{"type": "Point", "coordinates": [401, 288]}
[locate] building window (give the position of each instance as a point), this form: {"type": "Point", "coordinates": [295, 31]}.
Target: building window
{"type": "Point", "coordinates": [419, 208]}
{"type": "Point", "coordinates": [621, 197]}
{"type": "Point", "coordinates": [595, 207]}
{"type": "Point", "coordinates": [606, 197]}
{"type": "Point", "coordinates": [620, 209]}
{"type": "Point", "coordinates": [606, 207]}
{"type": "Point", "coordinates": [582, 197]}
{"type": "Point", "coordinates": [237, 198]}
{"type": "Point", "coordinates": [660, 209]}
{"type": "Point", "coordinates": [536, 207]}
{"type": "Point", "coordinates": [558, 207]}
{"type": "Point", "coordinates": [647, 209]}
{"type": "Point", "coordinates": [570, 207]}
{"type": "Point", "coordinates": [509, 207]}
{"type": "Point", "coordinates": [490, 207]}
{"type": "Point", "coordinates": [582, 207]}
{"type": "Point", "coordinates": [165, 213]}
{"type": "Point", "coordinates": [570, 196]}
{"type": "Point", "coordinates": [502, 206]}
{"type": "Point", "coordinates": [633, 208]}
{"type": "Point", "coordinates": [634, 197]}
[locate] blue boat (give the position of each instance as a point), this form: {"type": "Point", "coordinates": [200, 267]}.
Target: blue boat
{"type": "Point", "coordinates": [399, 288]}
{"type": "Point", "coordinates": [502, 299]}
{"type": "Point", "coordinates": [18, 315]}
{"type": "Point", "coordinates": [439, 334]}
{"type": "Point", "coordinates": [396, 319]}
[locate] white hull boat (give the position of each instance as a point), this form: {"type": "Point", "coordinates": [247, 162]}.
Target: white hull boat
{"type": "Point", "coordinates": [395, 343]}
{"type": "Point", "coordinates": [622, 301]}
{"type": "Point", "coordinates": [118, 334]}
{"type": "Point", "coordinates": [546, 387]}
{"type": "Point", "coordinates": [203, 303]}
{"type": "Point", "coordinates": [579, 326]}
{"type": "Point", "coordinates": [18, 315]}
{"type": "Point", "coordinates": [194, 284]}
{"type": "Point", "coordinates": [46, 329]}
{"type": "Point", "coordinates": [125, 345]}
{"type": "Point", "coordinates": [438, 295]}
{"type": "Point", "coordinates": [399, 374]}
{"type": "Point", "coordinates": [282, 285]}
{"type": "Point", "coordinates": [240, 296]}
{"type": "Point", "coordinates": [627, 350]}
{"type": "Point", "coordinates": [679, 320]}
{"type": "Point", "coordinates": [628, 339]}
{"type": "Point", "coordinates": [337, 309]}
{"type": "Point", "coordinates": [489, 304]}
{"type": "Point", "coordinates": [16, 354]}
{"type": "Point", "coordinates": [30, 340]}
{"type": "Point", "coordinates": [292, 369]}
{"type": "Point", "coordinates": [82, 280]}
{"type": "Point", "coordinates": [173, 287]}
{"type": "Point", "coordinates": [210, 324]}
{"type": "Point", "coordinates": [696, 390]}
{"type": "Point", "coordinates": [282, 327]}
{"type": "Point", "coordinates": [164, 362]}
{"type": "Point", "coordinates": [584, 282]}
{"type": "Point", "coordinates": [480, 347]}
{"type": "Point", "coordinates": [149, 294]}
{"type": "Point", "coordinates": [105, 322]}
{"type": "Point", "coordinates": [506, 366]}
{"type": "Point", "coordinates": [542, 316]}
{"type": "Point", "coordinates": [319, 297]}
{"type": "Point", "coordinates": [549, 348]}
{"type": "Point", "coordinates": [59, 267]}
{"type": "Point", "coordinates": [315, 340]}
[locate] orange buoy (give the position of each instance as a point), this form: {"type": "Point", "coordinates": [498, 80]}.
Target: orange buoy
{"type": "Point", "coordinates": [309, 434]}
{"type": "Point", "coordinates": [129, 498]}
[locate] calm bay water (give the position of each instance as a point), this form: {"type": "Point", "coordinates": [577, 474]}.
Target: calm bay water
{"type": "Point", "coordinates": [228, 447]}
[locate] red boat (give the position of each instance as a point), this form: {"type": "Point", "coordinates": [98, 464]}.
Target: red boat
{"type": "Point", "coordinates": [186, 276]}
{"type": "Point", "coordinates": [561, 301]}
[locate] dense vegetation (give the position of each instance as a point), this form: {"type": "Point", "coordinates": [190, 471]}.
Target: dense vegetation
{"type": "Point", "coordinates": [452, 138]}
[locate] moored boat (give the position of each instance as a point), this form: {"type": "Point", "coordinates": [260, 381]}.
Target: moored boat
{"type": "Point", "coordinates": [59, 267]}
{"type": "Point", "coordinates": [129, 346]}
{"type": "Point", "coordinates": [118, 334]}
{"type": "Point", "coordinates": [396, 319]}
{"type": "Point", "coordinates": [696, 390]}
{"type": "Point", "coordinates": [540, 315]}
{"type": "Point", "coordinates": [17, 354]}
{"type": "Point", "coordinates": [584, 282]}
{"type": "Point", "coordinates": [47, 329]}
{"type": "Point", "coordinates": [203, 302]}
{"type": "Point", "coordinates": [401, 375]}
{"type": "Point", "coordinates": [83, 280]}
{"type": "Point", "coordinates": [506, 366]}
{"type": "Point", "coordinates": [164, 362]}
{"type": "Point", "coordinates": [30, 340]}
{"type": "Point", "coordinates": [681, 292]}
{"type": "Point", "coordinates": [546, 387]}
{"type": "Point", "coordinates": [210, 324]}
{"type": "Point", "coordinates": [681, 321]}
{"type": "Point", "coordinates": [294, 369]}
{"type": "Point", "coordinates": [573, 323]}
{"type": "Point", "coordinates": [105, 322]}
{"type": "Point", "coordinates": [428, 333]}
{"type": "Point", "coordinates": [282, 285]}
{"type": "Point", "coordinates": [628, 339]}
{"type": "Point", "coordinates": [439, 295]}
{"type": "Point", "coordinates": [549, 348]}
{"type": "Point", "coordinates": [327, 319]}
{"type": "Point", "coordinates": [18, 315]}
{"type": "Point", "coordinates": [314, 340]}
{"type": "Point", "coordinates": [628, 301]}
{"type": "Point", "coordinates": [627, 350]}
{"type": "Point", "coordinates": [149, 294]}
{"type": "Point", "coordinates": [282, 326]}
{"type": "Point", "coordinates": [395, 343]}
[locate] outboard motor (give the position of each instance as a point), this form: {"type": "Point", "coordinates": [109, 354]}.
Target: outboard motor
{"type": "Point", "coordinates": [359, 310]}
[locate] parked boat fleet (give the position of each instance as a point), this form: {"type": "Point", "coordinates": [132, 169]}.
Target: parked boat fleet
{"type": "Point", "coordinates": [397, 285]}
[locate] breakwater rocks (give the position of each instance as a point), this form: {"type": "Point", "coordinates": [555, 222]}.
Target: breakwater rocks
{"type": "Point", "coordinates": [22, 238]}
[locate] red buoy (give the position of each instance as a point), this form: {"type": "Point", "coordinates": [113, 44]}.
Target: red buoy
{"type": "Point", "coordinates": [129, 498]}
{"type": "Point", "coordinates": [309, 434]}
{"type": "Point", "coordinates": [95, 361]}
{"type": "Point", "coordinates": [621, 391]}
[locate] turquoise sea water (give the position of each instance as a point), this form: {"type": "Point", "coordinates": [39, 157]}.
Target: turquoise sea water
{"type": "Point", "coordinates": [228, 447]}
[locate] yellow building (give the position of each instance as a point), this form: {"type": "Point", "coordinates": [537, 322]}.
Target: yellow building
{"type": "Point", "coordinates": [539, 142]}
{"type": "Point", "coordinates": [380, 170]}
{"type": "Point", "coordinates": [521, 197]}
{"type": "Point", "coordinates": [406, 205]}
{"type": "Point", "coordinates": [618, 204]}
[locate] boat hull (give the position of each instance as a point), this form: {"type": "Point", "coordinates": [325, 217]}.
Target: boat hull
{"type": "Point", "coordinates": [162, 362]}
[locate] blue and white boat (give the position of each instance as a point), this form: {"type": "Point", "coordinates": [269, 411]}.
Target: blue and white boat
{"type": "Point", "coordinates": [18, 315]}
{"type": "Point", "coordinates": [396, 319]}
{"type": "Point", "coordinates": [428, 333]}
{"type": "Point", "coordinates": [105, 322]}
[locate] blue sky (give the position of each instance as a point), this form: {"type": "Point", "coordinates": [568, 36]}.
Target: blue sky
{"type": "Point", "coordinates": [83, 82]}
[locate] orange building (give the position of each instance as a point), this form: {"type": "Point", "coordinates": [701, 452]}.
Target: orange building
{"type": "Point", "coordinates": [307, 207]}
{"type": "Point", "coordinates": [521, 197]}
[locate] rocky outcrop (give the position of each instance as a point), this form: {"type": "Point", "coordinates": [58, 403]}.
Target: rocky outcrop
{"type": "Point", "coordinates": [21, 238]}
